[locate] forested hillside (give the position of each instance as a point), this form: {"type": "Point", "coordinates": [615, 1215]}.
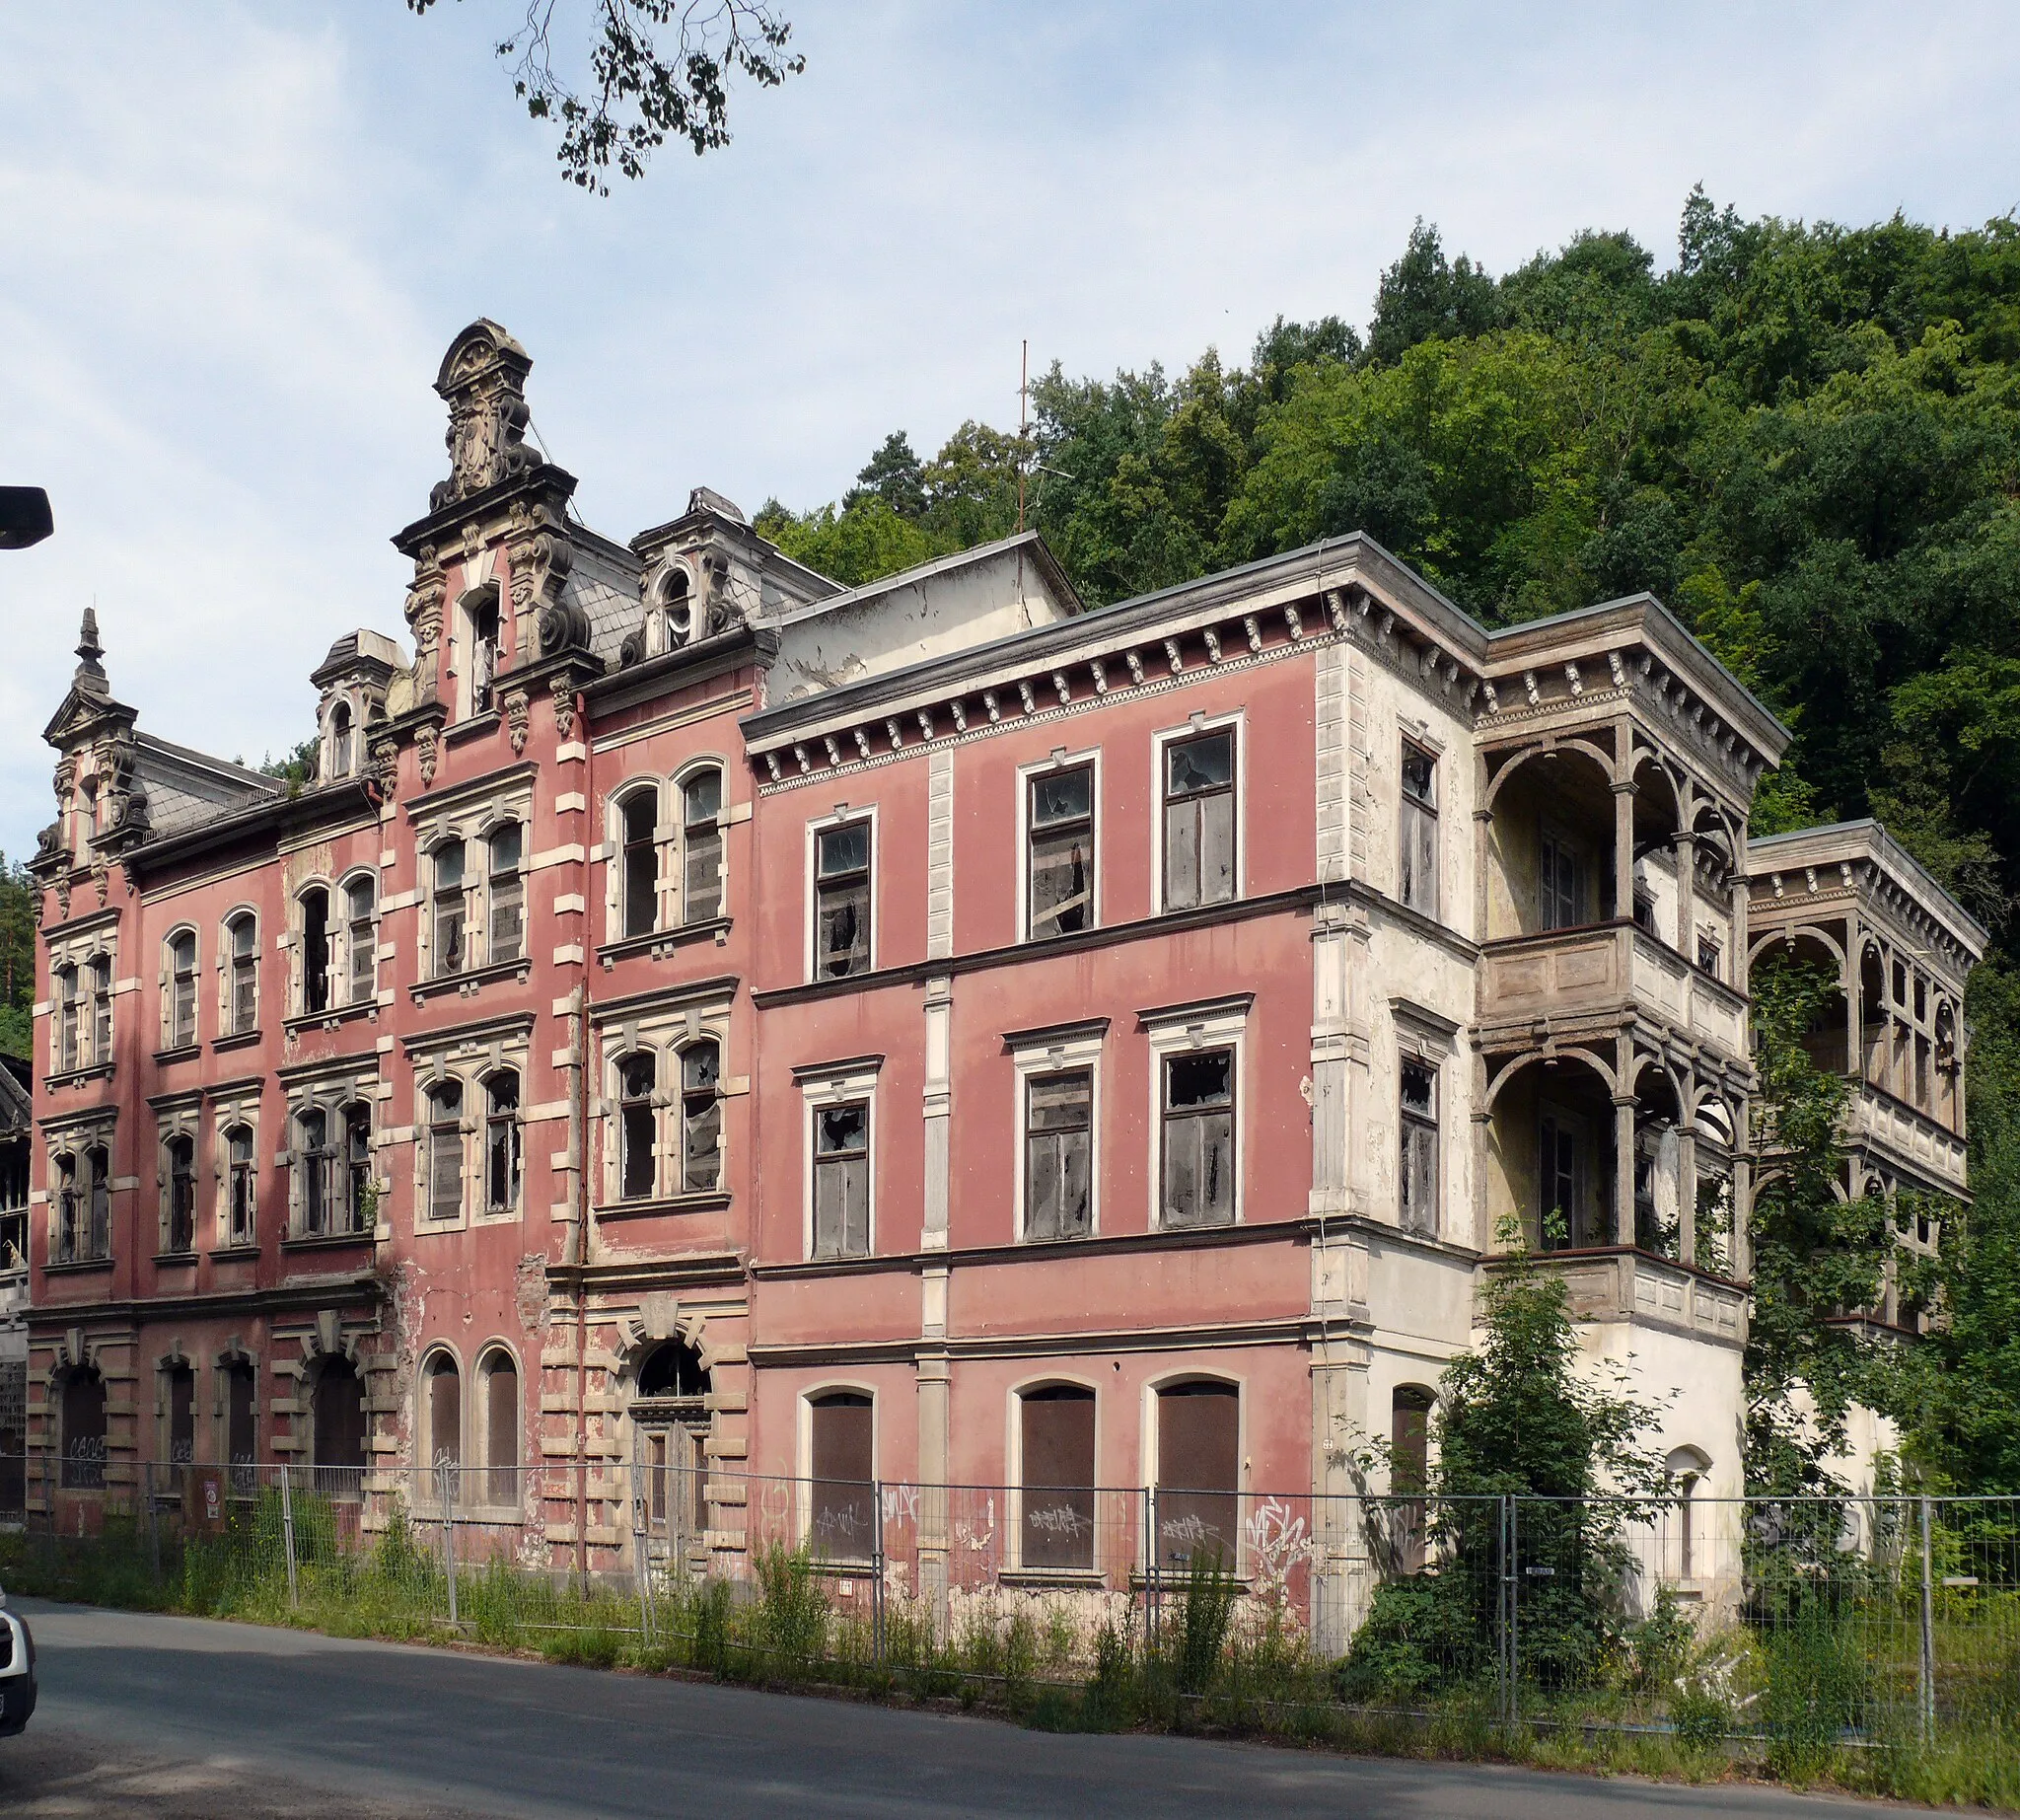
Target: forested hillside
{"type": "Point", "coordinates": [1804, 438]}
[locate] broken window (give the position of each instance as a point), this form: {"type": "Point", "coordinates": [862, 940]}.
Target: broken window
{"type": "Point", "coordinates": [181, 1233]}
{"type": "Point", "coordinates": [1561, 1216]}
{"type": "Point", "coordinates": [444, 1150]}
{"type": "Point", "coordinates": [69, 1209]}
{"type": "Point", "coordinates": [700, 1117]}
{"type": "Point", "coordinates": [245, 1000]}
{"type": "Point", "coordinates": [501, 1142]}
{"type": "Point", "coordinates": [360, 1196]}
{"type": "Point", "coordinates": [102, 1009]}
{"type": "Point", "coordinates": [360, 898]}
{"type": "Point", "coordinates": [637, 1075]}
{"type": "Point", "coordinates": [450, 909]}
{"type": "Point", "coordinates": [242, 1188]}
{"type": "Point", "coordinates": [67, 1011]}
{"type": "Point", "coordinates": [1059, 1155]}
{"type": "Point", "coordinates": [1199, 1474]}
{"type": "Point", "coordinates": [1199, 1139]}
{"type": "Point", "coordinates": [340, 740]}
{"type": "Point", "coordinates": [183, 990]}
{"type": "Point", "coordinates": [318, 1171]}
{"type": "Point", "coordinates": [1061, 835]}
{"type": "Point", "coordinates": [97, 1171]}
{"type": "Point", "coordinates": [1708, 955]}
{"type": "Point", "coordinates": [181, 1400]}
{"type": "Point", "coordinates": [841, 900]}
{"type": "Point", "coordinates": [84, 1431]}
{"type": "Point", "coordinates": [1199, 821]}
{"type": "Point", "coordinates": [1417, 1169]}
{"type": "Point", "coordinates": [1417, 873]}
{"type": "Point", "coordinates": [500, 1379]}
{"type": "Point", "coordinates": [443, 1387]}
{"type": "Point", "coordinates": [315, 904]}
{"type": "Point", "coordinates": [505, 939]}
{"type": "Point", "coordinates": [241, 1428]}
{"type": "Point", "coordinates": [1410, 1474]}
{"type": "Point", "coordinates": [483, 651]}
{"type": "Point", "coordinates": [841, 1180]}
{"type": "Point", "coordinates": [701, 846]}
{"type": "Point", "coordinates": [1058, 1444]}
{"type": "Point", "coordinates": [1560, 884]}
{"type": "Point", "coordinates": [842, 1453]}
{"type": "Point", "coordinates": [640, 865]}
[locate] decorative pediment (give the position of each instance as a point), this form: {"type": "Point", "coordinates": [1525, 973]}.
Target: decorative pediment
{"type": "Point", "coordinates": [483, 379]}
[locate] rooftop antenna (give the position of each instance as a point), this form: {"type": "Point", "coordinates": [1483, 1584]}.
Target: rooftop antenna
{"type": "Point", "coordinates": [1023, 426]}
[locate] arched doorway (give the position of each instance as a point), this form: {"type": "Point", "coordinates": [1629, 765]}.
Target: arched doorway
{"type": "Point", "coordinates": [670, 1420]}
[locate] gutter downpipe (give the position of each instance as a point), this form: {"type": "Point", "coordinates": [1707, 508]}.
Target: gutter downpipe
{"type": "Point", "coordinates": [576, 1242]}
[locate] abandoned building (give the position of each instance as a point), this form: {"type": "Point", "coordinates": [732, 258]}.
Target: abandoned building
{"type": "Point", "coordinates": [930, 1032]}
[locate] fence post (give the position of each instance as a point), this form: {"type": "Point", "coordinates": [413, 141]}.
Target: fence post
{"type": "Point", "coordinates": [877, 1585]}
{"type": "Point", "coordinates": [1150, 1568]}
{"type": "Point", "coordinates": [1928, 1633]}
{"type": "Point", "coordinates": [641, 1527]}
{"type": "Point", "coordinates": [154, 1531]}
{"type": "Point", "coordinates": [1511, 1604]}
{"type": "Point", "coordinates": [445, 1488]}
{"type": "Point", "coordinates": [287, 1528]}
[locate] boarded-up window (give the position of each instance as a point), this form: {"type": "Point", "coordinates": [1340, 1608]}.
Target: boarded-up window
{"type": "Point", "coordinates": [1061, 858]}
{"type": "Point", "coordinates": [445, 1410]}
{"type": "Point", "coordinates": [842, 1501]}
{"type": "Point", "coordinates": [182, 1389]}
{"type": "Point", "coordinates": [1199, 1473]}
{"type": "Point", "coordinates": [506, 936]}
{"type": "Point", "coordinates": [841, 1180]}
{"type": "Point", "coordinates": [1410, 1474]}
{"type": "Point", "coordinates": [84, 1431]}
{"type": "Point", "coordinates": [700, 1117]}
{"type": "Point", "coordinates": [841, 900]}
{"type": "Point", "coordinates": [1058, 1477]}
{"type": "Point", "coordinates": [1417, 1166]}
{"type": "Point", "coordinates": [640, 882]}
{"type": "Point", "coordinates": [1559, 884]}
{"type": "Point", "coordinates": [636, 1126]}
{"type": "Point", "coordinates": [444, 1150]}
{"type": "Point", "coordinates": [501, 1428]}
{"type": "Point", "coordinates": [450, 909]}
{"type": "Point", "coordinates": [1059, 1155]}
{"type": "Point", "coordinates": [1199, 1139]}
{"type": "Point", "coordinates": [314, 950]}
{"type": "Point", "coordinates": [701, 848]}
{"type": "Point", "coordinates": [1199, 821]}
{"type": "Point", "coordinates": [1418, 858]}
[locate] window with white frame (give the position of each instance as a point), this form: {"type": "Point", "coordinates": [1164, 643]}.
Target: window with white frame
{"type": "Point", "coordinates": [638, 860]}
{"type": "Point", "coordinates": [314, 934]}
{"type": "Point", "coordinates": [637, 1126]}
{"type": "Point", "coordinates": [1195, 1081]}
{"type": "Point", "coordinates": [444, 1189]}
{"type": "Point", "coordinates": [841, 1459]}
{"type": "Point", "coordinates": [361, 936]}
{"type": "Point", "coordinates": [1060, 855]}
{"type": "Point", "coordinates": [70, 1013]}
{"type": "Point", "coordinates": [241, 986]}
{"type": "Point", "coordinates": [1059, 1154]}
{"type": "Point", "coordinates": [842, 861]}
{"type": "Point", "coordinates": [181, 1022]}
{"type": "Point", "coordinates": [1418, 835]}
{"type": "Point", "coordinates": [700, 1116]}
{"type": "Point", "coordinates": [101, 975]}
{"type": "Point", "coordinates": [1417, 1163]}
{"type": "Point", "coordinates": [501, 1142]}
{"type": "Point", "coordinates": [841, 1180]}
{"type": "Point", "coordinates": [317, 1160]}
{"type": "Point", "coordinates": [505, 885]}
{"type": "Point", "coordinates": [451, 908]}
{"type": "Point", "coordinates": [701, 845]}
{"type": "Point", "coordinates": [179, 1158]}
{"type": "Point", "coordinates": [1199, 832]}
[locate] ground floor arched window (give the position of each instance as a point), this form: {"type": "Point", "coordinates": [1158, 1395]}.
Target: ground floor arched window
{"type": "Point", "coordinates": [84, 1431]}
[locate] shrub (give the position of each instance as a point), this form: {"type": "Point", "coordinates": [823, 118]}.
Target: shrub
{"type": "Point", "coordinates": [1207, 1606]}
{"type": "Point", "coordinates": [1423, 1635]}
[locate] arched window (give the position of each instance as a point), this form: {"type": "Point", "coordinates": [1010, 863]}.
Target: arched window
{"type": "Point", "coordinates": [481, 615]}
{"type": "Point", "coordinates": [360, 901]}
{"type": "Point", "coordinates": [318, 1171]}
{"type": "Point", "coordinates": [441, 1392]}
{"type": "Point", "coordinates": [69, 1198]}
{"type": "Point", "coordinates": [181, 1031]}
{"type": "Point", "coordinates": [1410, 1472]}
{"type": "Point", "coordinates": [360, 1198]}
{"type": "Point", "coordinates": [679, 606]}
{"type": "Point", "coordinates": [1199, 1473]}
{"type": "Point", "coordinates": [98, 1170]}
{"type": "Point", "coordinates": [841, 1457]}
{"type": "Point", "coordinates": [700, 1116]}
{"type": "Point", "coordinates": [1686, 1468]}
{"type": "Point", "coordinates": [67, 1011]}
{"type": "Point", "coordinates": [506, 940]}
{"type": "Point", "coordinates": [241, 1190]}
{"type": "Point", "coordinates": [243, 940]}
{"type": "Point", "coordinates": [1056, 1443]}
{"type": "Point", "coordinates": [315, 903]}
{"type": "Point", "coordinates": [336, 1418]}
{"type": "Point", "coordinates": [670, 1412]}
{"type": "Point", "coordinates": [340, 740]}
{"type": "Point", "coordinates": [637, 1075]}
{"type": "Point", "coordinates": [449, 909]}
{"type": "Point", "coordinates": [181, 1233]}
{"type": "Point", "coordinates": [640, 865]}
{"type": "Point", "coordinates": [444, 1150]}
{"type": "Point", "coordinates": [101, 1008]}
{"type": "Point", "coordinates": [499, 1378]}
{"type": "Point", "coordinates": [84, 1431]}
{"type": "Point", "coordinates": [501, 1142]}
{"type": "Point", "coordinates": [181, 1385]}
{"type": "Point", "coordinates": [701, 846]}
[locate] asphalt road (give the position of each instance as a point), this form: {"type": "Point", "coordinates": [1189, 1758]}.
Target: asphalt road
{"type": "Point", "coordinates": [177, 1715]}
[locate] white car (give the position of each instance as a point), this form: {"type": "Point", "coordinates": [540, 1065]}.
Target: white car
{"type": "Point", "coordinates": [17, 1672]}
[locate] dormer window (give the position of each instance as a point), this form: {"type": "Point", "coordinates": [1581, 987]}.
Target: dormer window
{"type": "Point", "coordinates": [677, 602]}
{"type": "Point", "coordinates": [340, 740]}
{"type": "Point", "coordinates": [482, 620]}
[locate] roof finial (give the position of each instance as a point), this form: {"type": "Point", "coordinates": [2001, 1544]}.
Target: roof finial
{"type": "Point", "coordinates": [91, 674]}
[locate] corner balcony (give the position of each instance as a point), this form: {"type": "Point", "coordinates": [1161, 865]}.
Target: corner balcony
{"type": "Point", "coordinates": [1596, 975]}
{"type": "Point", "coordinates": [1893, 1126]}
{"type": "Point", "coordinates": [1619, 1285]}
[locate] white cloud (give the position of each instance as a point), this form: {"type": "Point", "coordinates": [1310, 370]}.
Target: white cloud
{"type": "Point", "coordinates": [237, 239]}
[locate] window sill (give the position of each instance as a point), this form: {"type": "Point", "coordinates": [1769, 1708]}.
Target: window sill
{"type": "Point", "coordinates": [431, 1228]}
{"type": "Point", "coordinates": [472, 726]}
{"type": "Point", "coordinates": [658, 944]}
{"type": "Point", "coordinates": [324, 1241]}
{"type": "Point", "coordinates": [1041, 1580]}
{"type": "Point", "coordinates": [331, 1018]}
{"type": "Point", "coordinates": [239, 1039]}
{"type": "Point", "coordinates": [708, 1201]}
{"type": "Point", "coordinates": [471, 981]}
{"type": "Point", "coordinates": [228, 1252]}
{"type": "Point", "coordinates": [74, 1266]}
{"type": "Point", "coordinates": [76, 1077]}
{"type": "Point", "coordinates": [166, 1257]}
{"type": "Point", "coordinates": [185, 1052]}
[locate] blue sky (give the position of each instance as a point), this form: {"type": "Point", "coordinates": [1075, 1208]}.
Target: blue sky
{"type": "Point", "coordinates": [235, 240]}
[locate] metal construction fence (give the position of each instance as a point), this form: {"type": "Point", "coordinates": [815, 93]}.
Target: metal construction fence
{"type": "Point", "coordinates": [1900, 1614]}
